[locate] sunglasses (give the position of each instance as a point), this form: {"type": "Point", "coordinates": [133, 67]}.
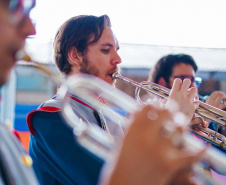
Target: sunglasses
{"type": "Point", "coordinates": [196, 80]}
{"type": "Point", "coordinates": [20, 9]}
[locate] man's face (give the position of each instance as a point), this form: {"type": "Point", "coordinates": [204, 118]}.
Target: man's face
{"type": "Point", "coordinates": [12, 39]}
{"type": "Point", "coordinates": [182, 70]}
{"type": "Point", "coordinates": [102, 57]}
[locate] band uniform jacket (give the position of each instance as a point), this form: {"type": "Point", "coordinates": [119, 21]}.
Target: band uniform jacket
{"type": "Point", "coordinates": [57, 156]}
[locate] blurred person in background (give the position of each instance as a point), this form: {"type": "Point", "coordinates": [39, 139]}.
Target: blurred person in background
{"type": "Point", "coordinates": [184, 66]}
{"type": "Point", "coordinates": [173, 66]}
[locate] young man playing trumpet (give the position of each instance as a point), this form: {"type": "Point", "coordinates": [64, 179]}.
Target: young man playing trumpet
{"type": "Point", "coordinates": [86, 44]}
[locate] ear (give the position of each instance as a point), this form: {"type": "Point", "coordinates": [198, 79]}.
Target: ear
{"type": "Point", "coordinates": [162, 82]}
{"type": "Point", "coordinates": [74, 57]}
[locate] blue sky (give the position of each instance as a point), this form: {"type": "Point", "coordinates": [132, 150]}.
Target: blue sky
{"type": "Point", "coordinates": [194, 23]}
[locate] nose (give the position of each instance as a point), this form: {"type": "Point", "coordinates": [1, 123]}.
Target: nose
{"type": "Point", "coordinates": [116, 59]}
{"type": "Point", "coordinates": [27, 28]}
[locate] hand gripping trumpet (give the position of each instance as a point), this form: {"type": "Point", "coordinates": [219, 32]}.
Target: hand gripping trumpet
{"type": "Point", "coordinates": [205, 110]}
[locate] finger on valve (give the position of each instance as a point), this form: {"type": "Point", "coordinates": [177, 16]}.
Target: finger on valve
{"type": "Point", "coordinates": [198, 120]}
{"type": "Point", "coordinates": [217, 99]}
{"type": "Point", "coordinates": [182, 99]}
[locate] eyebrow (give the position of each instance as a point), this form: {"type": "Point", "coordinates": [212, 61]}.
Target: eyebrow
{"type": "Point", "coordinates": [109, 45]}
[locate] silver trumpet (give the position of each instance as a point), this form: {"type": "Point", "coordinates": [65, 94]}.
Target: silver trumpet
{"type": "Point", "coordinates": [204, 110]}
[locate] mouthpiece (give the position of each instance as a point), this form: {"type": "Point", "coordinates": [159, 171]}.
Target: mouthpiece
{"type": "Point", "coordinates": [116, 75]}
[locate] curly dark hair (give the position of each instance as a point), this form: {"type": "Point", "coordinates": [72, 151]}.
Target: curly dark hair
{"type": "Point", "coordinates": [77, 32]}
{"type": "Point", "coordinates": [164, 67]}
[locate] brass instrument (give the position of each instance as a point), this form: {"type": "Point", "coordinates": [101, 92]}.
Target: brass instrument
{"type": "Point", "coordinates": [204, 110]}
{"type": "Point", "coordinates": [21, 55]}
{"type": "Point", "coordinates": [92, 137]}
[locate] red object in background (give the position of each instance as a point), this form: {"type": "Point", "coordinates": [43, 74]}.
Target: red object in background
{"type": "Point", "coordinates": [24, 137]}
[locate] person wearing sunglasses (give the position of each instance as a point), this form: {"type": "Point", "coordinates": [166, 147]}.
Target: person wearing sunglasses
{"type": "Point", "coordinates": [183, 66]}
{"type": "Point", "coordinates": [15, 27]}
{"type": "Point", "coordinates": [173, 66]}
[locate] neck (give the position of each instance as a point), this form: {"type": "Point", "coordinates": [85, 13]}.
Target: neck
{"type": "Point", "coordinates": [74, 71]}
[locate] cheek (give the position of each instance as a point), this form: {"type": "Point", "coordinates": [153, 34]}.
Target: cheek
{"type": "Point", "coordinates": [3, 46]}
{"type": "Point", "coordinates": [99, 58]}
{"type": "Point", "coordinates": [5, 65]}
{"type": "Point", "coordinates": [4, 60]}
{"type": "Point", "coordinates": [101, 63]}
{"type": "Point", "coordinates": [7, 34]}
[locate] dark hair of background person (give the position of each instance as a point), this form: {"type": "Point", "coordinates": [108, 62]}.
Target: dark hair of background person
{"type": "Point", "coordinates": [77, 32]}
{"type": "Point", "coordinates": [164, 67]}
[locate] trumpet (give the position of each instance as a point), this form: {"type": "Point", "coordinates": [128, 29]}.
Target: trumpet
{"type": "Point", "coordinates": [204, 110]}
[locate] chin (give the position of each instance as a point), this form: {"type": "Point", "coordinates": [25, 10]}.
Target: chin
{"type": "Point", "coordinates": [110, 81]}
